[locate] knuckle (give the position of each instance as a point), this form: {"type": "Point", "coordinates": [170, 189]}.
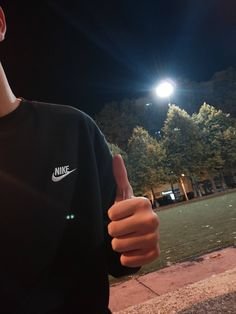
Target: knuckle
{"type": "Point", "coordinates": [154, 253]}
{"type": "Point", "coordinates": [110, 214]}
{"type": "Point", "coordinates": [154, 221]}
{"type": "Point", "coordinates": [151, 221]}
{"type": "Point", "coordinates": [125, 260]}
{"type": "Point", "coordinates": [110, 229]}
{"type": "Point", "coordinates": [152, 239]}
{"type": "Point", "coordinates": [145, 203]}
{"type": "Point", "coordinates": [115, 244]}
{"type": "Point", "coordinates": [113, 228]}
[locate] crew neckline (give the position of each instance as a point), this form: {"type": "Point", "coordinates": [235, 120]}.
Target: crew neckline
{"type": "Point", "coordinates": [11, 119]}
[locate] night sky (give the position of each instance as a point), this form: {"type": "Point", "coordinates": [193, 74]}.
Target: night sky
{"type": "Point", "coordinates": [88, 53]}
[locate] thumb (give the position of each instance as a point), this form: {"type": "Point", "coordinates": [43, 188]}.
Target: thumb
{"type": "Point", "coordinates": [123, 187]}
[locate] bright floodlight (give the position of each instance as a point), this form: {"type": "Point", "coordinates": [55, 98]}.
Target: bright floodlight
{"type": "Point", "coordinates": [164, 89]}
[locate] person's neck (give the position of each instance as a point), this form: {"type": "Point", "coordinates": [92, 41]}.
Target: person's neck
{"type": "Point", "coordinates": [8, 101]}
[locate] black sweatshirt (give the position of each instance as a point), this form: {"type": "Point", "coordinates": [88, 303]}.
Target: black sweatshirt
{"type": "Point", "coordinates": [56, 185]}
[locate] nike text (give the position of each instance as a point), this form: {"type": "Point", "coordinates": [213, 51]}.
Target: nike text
{"type": "Point", "coordinates": [60, 173]}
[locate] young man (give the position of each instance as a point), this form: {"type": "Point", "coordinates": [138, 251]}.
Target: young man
{"type": "Point", "coordinates": [68, 215]}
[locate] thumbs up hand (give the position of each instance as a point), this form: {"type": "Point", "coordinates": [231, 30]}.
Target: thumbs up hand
{"type": "Point", "coordinates": [134, 226]}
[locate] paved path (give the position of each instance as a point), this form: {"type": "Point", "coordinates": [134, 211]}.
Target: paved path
{"type": "Point", "coordinates": [181, 287]}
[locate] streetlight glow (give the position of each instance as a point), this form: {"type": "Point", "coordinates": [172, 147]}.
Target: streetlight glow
{"type": "Point", "coordinates": [164, 89]}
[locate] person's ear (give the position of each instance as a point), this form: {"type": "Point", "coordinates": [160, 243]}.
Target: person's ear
{"type": "Point", "coordinates": [3, 26]}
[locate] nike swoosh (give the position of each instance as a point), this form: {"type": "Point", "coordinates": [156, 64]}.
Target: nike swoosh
{"type": "Point", "coordinates": [59, 178]}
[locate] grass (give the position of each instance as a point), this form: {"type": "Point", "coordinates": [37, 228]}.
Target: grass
{"type": "Point", "coordinates": [194, 228]}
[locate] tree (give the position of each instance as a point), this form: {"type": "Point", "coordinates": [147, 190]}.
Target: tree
{"type": "Point", "coordinates": [118, 119]}
{"type": "Point", "coordinates": [183, 146]}
{"type": "Point", "coordinates": [117, 123]}
{"type": "Point", "coordinates": [229, 148]}
{"type": "Point", "coordinates": [115, 149]}
{"type": "Point", "coordinates": [145, 157]}
{"type": "Point", "coordinates": [218, 131]}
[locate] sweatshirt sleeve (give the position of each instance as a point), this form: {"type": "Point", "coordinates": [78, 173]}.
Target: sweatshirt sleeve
{"type": "Point", "coordinates": [108, 190]}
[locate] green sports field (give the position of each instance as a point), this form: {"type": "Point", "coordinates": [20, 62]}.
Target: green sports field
{"type": "Point", "coordinates": [194, 228]}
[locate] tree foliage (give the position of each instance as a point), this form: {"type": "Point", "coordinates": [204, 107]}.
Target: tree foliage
{"type": "Point", "coordinates": [182, 143]}
{"type": "Point", "coordinates": [229, 148]}
{"type": "Point", "coordinates": [218, 132]}
{"type": "Point", "coordinates": [203, 143]}
{"type": "Point", "coordinates": [117, 123]}
{"type": "Point", "coordinates": [115, 149]}
{"type": "Point", "coordinates": [118, 119]}
{"type": "Point", "coordinates": [145, 158]}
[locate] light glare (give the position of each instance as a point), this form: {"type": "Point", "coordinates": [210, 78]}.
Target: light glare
{"type": "Point", "coordinates": [164, 89]}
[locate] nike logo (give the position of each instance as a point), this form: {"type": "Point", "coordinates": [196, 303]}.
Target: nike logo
{"type": "Point", "coordinates": [60, 173]}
